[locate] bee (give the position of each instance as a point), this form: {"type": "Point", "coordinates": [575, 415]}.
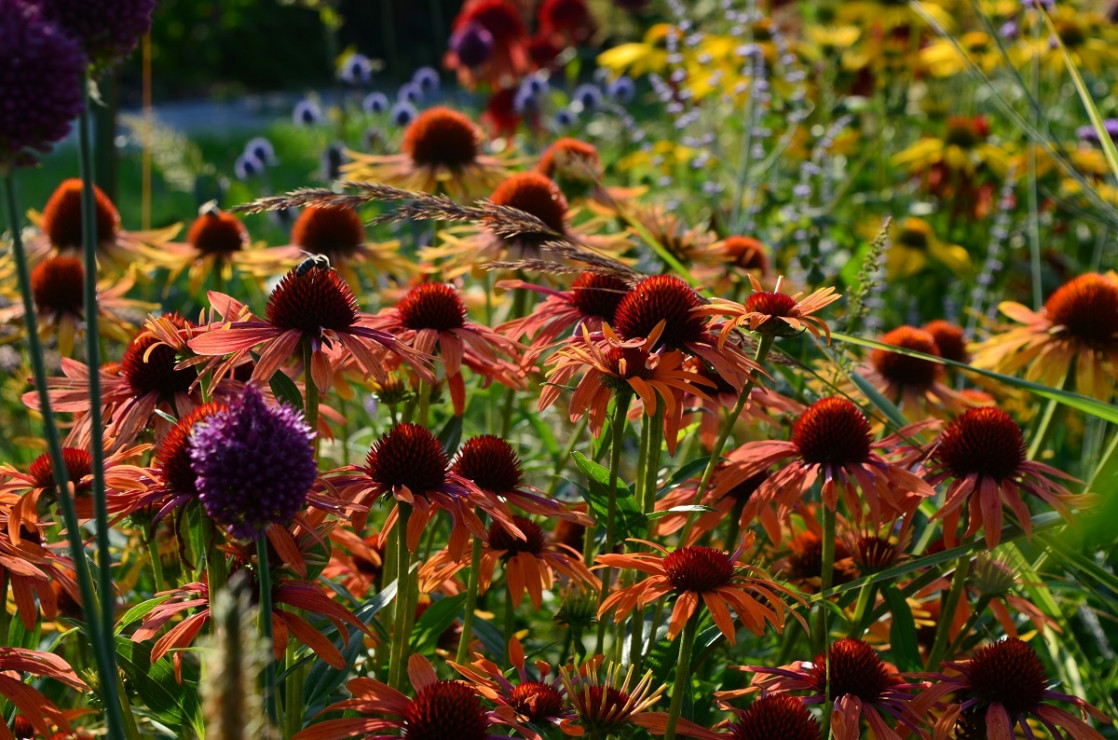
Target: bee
{"type": "Point", "coordinates": [312, 262]}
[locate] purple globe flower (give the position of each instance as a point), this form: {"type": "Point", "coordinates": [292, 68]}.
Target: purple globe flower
{"type": "Point", "coordinates": [108, 29]}
{"type": "Point", "coordinates": [41, 79]}
{"type": "Point", "coordinates": [254, 465]}
{"type": "Point", "coordinates": [473, 45]}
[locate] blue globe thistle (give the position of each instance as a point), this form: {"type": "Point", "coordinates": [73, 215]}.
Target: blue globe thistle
{"type": "Point", "coordinates": [262, 149]}
{"type": "Point", "coordinates": [623, 90]}
{"type": "Point", "coordinates": [409, 92]}
{"type": "Point", "coordinates": [108, 30]}
{"type": "Point", "coordinates": [426, 79]}
{"type": "Point", "coordinates": [254, 465]}
{"type": "Point", "coordinates": [565, 118]}
{"type": "Point", "coordinates": [472, 44]}
{"type": "Point", "coordinates": [535, 84]}
{"type": "Point", "coordinates": [403, 113]}
{"type": "Point", "coordinates": [525, 100]}
{"type": "Point", "coordinates": [356, 69]}
{"type": "Point", "coordinates": [375, 102]}
{"type": "Point", "coordinates": [41, 76]}
{"type": "Point", "coordinates": [588, 97]}
{"type": "Point", "coordinates": [307, 113]}
{"type": "Point", "coordinates": [247, 166]}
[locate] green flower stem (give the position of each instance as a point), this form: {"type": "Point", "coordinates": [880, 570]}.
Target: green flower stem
{"type": "Point", "coordinates": [156, 565]}
{"type": "Point", "coordinates": [310, 401]}
{"type": "Point", "coordinates": [651, 469]}
{"type": "Point", "coordinates": [764, 344]}
{"type": "Point", "coordinates": [264, 576]}
{"type": "Point", "coordinates": [734, 529]}
{"type": "Point", "coordinates": [561, 462]}
{"type": "Point", "coordinates": [471, 602]}
{"type": "Point", "coordinates": [943, 629]}
{"type": "Point", "coordinates": [617, 427]}
{"type": "Point", "coordinates": [1041, 431]}
{"type": "Point", "coordinates": [293, 697]}
{"type": "Point", "coordinates": [682, 683]}
{"type": "Point", "coordinates": [217, 573]}
{"type": "Point", "coordinates": [976, 612]}
{"type": "Point", "coordinates": [865, 598]}
{"type": "Point", "coordinates": [826, 578]}
{"type": "Point", "coordinates": [510, 621]}
{"type": "Point", "coordinates": [398, 656]}
{"type": "Point", "coordinates": [99, 635]}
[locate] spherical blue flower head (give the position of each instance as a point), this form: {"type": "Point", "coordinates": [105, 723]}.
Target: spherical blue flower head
{"type": "Point", "coordinates": [108, 30]}
{"type": "Point", "coordinates": [565, 118]}
{"type": "Point", "coordinates": [247, 166]}
{"type": "Point", "coordinates": [588, 97]}
{"type": "Point", "coordinates": [254, 465]}
{"type": "Point", "coordinates": [403, 113]}
{"type": "Point", "coordinates": [375, 102]}
{"type": "Point", "coordinates": [426, 79]}
{"type": "Point", "coordinates": [472, 44]}
{"type": "Point", "coordinates": [623, 90]}
{"type": "Point", "coordinates": [409, 92]}
{"type": "Point", "coordinates": [262, 149]}
{"type": "Point", "coordinates": [525, 100]}
{"type": "Point", "coordinates": [535, 84]}
{"type": "Point", "coordinates": [41, 79]}
{"type": "Point", "coordinates": [306, 113]}
{"type": "Point", "coordinates": [356, 69]}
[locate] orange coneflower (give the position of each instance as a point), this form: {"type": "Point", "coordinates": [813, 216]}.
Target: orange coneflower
{"type": "Point", "coordinates": [57, 288]}
{"type": "Point", "coordinates": [174, 480]}
{"type": "Point", "coordinates": [861, 684]}
{"type": "Point", "coordinates": [728, 504]}
{"type": "Point", "coordinates": [609, 364]}
{"type": "Point", "coordinates": [773, 312]}
{"type": "Point", "coordinates": [30, 569]}
{"type": "Point", "coordinates": [1076, 330]}
{"type": "Point", "coordinates": [440, 709]}
{"type": "Point", "coordinates": [695, 574]}
{"type": "Point", "coordinates": [950, 339]}
{"type": "Point", "coordinates": [774, 716]}
{"type": "Point", "coordinates": [983, 453]}
{"type": "Point", "coordinates": [337, 232]}
{"type": "Point", "coordinates": [507, 60]}
{"type": "Point", "coordinates": [60, 228]}
{"type": "Point", "coordinates": [38, 711]}
{"type": "Point", "coordinates": [533, 700]}
{"type": "Point", "coordinates": [1001, 688]}
{"type": "Point", "coordinates": [215, 241]}
{"type": "Point", "coordinates": [432, 317]}
{"type": "Point", "coordinates": [315, 306]}
{"type": "Point", "coordinates": [915, 385]}
{"type": "Point", "coordinates": [441, 152]}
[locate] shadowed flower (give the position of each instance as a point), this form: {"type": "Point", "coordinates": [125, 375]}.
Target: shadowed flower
{"type": "Point", "coordinates": [108, 29]}
{"type": "Point", "coordinates": [440, 709]}
{"type": "Point", "coordinates": [774, 716]}
{"type": "Point", "coordinates": [43, 715]}
{"type": "Point", "coordinates": [215, 242]}
{"type": "Point", "coordinates": [983, 453]}
{"type": "Point", "coordinates": [30, 569]}
{"type": "Point", "coordinates": [507, 60]}
{"type": "Point", "coordinates": [315, 306]}
{"type": "Point", "coordinates": [830, 439]}
{"type": "Point", "coordinates": [441, 153]}
{"type": "Point", "coordinates": [574, 165]}
{"type": "Point", "coordinates": [914, 246]}
{"type": "Point", "coordinates": [914, 384]}
{"type": "Point", "coordinates": [697, 574]}
{"type": "Point", "coordinates": [773, 312]}
{"type": "Point", "coordinates": [42, 71]}
{"type": "Point", "coordinates": [950, 340]}
{"type": "Point", "coordinates": [432, 318]}
{"type": "Point", "coordinates": [1077, 330]}
{"type": "Point", "coordinates": [862, 686]}
{"type": "Point", "coordinates": [1000, 689]}
{"type": "Point", "coordinates": [254, 465]}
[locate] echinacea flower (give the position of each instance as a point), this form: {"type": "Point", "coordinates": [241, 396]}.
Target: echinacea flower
{"type": "Point", "coordinates": [507, 60]}
{"type": "Point", "coordinates": [773, 716]}
{"type": "Point", "coordinates": [42, 714]}
{"type": "Point", "coordinates": [60, 228]}
{"type": "Point", "coordinates": [914, 246]}
{"type": "Point", "coordinates": [612, 705]}
{"type": "Point", "coordinates": [441, 153]}
{"type": "Point", "coordinates": [215, 242]}
{"type": "Point", "coordinates": [440, 709]}
{"type": "Point", "coordinates": [862, 686]}
{"type": "Point", "coordinates": [573, 164]}
{"type": "Point", "coordinates": [951, 340]}
{"type": "Point", "coordinates": [315, 306]}
{"type": "Point", "coordinates": [254, 464]}
{"type": "Point", "coordinates": [831, 439]}
{"type": "Point", "coordinates": [432, 318]}
{"type": "Point", "coordinates": [57, 287]}
{"type": "Point", "coordinates": [532, 701]}
{"type": "Point", "coordinates": [30, 569]}
{"type": "Point", "coordinates": [773, 312]}
{"type": "Point", "coordinates": [914, 384]}
{"type": "Point", "coordinates": [175, 479]}
{"type": "Point", "coordinates": [983, 453]}
{"type": "Point", "coordinates": [999, 689]}
{"type": "Point", "coordinates": [1076, 331]}
{"type": "Point", "coordinates": [695, 574]}
{"type": "Point", "coordinates": [42, 70]}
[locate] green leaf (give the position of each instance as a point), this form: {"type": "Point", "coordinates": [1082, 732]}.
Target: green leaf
{"type": "Point", "coordinates": [172, 703]}
{"type": "Point", "coordinates": [685, 473]}
{"type": "Point", "coordinates": [450, 436]}
{"type": "Point", "coordinates": [435, 621]}
{"type": "Point", "coordinates": [1073, 400]}
{"type": "Point", "coordinates": [285, 390]}
{"type": "Point", "coordinates": [686, 509]}
{"type": "Point", "coordinates": [883, 404]}
{"type": "Point", "coordinates": [140, 611]}
{"type": "Point", "coordinates": [629, 520]}
{"type": "Point", "coordinates": [902, 630]}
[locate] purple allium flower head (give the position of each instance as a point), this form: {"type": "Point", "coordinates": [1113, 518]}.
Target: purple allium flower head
{"type": "Point", "coordinates": [472, 44]}
{"type": "Point", "coordinates": [41, 78]}
{"type": "Point", "coordinates": [108, 29]}
{"type": "Point", "coordinates": [375, 102]}
{"type": "Point", "coordinates": [254, 465]}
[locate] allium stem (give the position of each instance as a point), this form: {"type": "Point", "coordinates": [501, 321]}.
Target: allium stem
{"type": "Point", "coordinates": [471, 602]}
{"type": "Point", "coordinates": [764, 344]}
{"type": "Point", "coordinates": [682, 683]}
{"type": "Point", "coordinates": [216, 571]}
{"type": "Point", "coordinates": [264, 576]}
{"type": "Point", "coordinates": [99, 635]}
{"type": "Point", "coordinates": [398, 657]}
{"type": "Point", "coordinates": [947, 613]}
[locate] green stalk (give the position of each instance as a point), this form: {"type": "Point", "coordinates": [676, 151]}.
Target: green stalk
{"type": "Point", "coordinates": [682, 673]}
{"type": "Point", "coordinates": [216, 571]}
{"type": "Point", "coordinates": [620, 408]}
{"type": "Point", "coordinates": [865, 598]}
{"type": "Point", "coordinates": [310, 400]}
{"type": "Point", "coordinates": [1043, 425]}
{"type": "Point", "coordinates": [156, 565]}
{"type": "Point", "coordinates": [561, 463]}
{"type": "Point", "coordinates": [510, 621]}
{"type": "Point", "coordinates": [826, 577]}
{"type": "Point", "coordinates": [398, 656]}
{"type": "Point", "coordinates": [471, 602]}
{"type": "Point", "coordinates": [103, 651]}
{"type": "Point", "coordinates": [651, 468]}
{"type": "Point", "coordinates": [764, 344]}
{"type": "Point", "coordinates": [264, 576]}
{"type": "Point", "coordinates": [947, 613]}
